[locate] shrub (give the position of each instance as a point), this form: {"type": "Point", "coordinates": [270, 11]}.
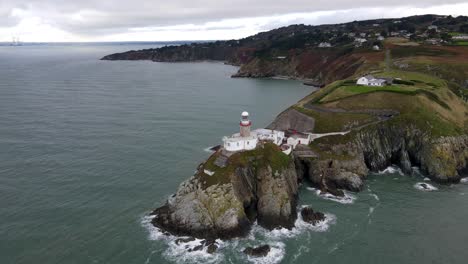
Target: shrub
{"type": "Point", "coordinates": [396, 81]}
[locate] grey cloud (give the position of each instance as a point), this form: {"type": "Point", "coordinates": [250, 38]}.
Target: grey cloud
{"type": "Point", "coordinates": [111, 16]}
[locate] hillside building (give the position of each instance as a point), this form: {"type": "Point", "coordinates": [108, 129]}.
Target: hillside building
{"type": "Point", "coordinates": [248, 139]}
{"type": "Point", "coordinates": [370, 80]}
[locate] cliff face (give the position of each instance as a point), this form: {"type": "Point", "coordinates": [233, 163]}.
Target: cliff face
{"type": "Point", "coordinates": [320, 65]}
{"type": "Point", "coordinates": [254, 192]}
{"type": "Point", "coordinates": [182, 53]}
{"type": "Point", "coordinates": [344, 163]}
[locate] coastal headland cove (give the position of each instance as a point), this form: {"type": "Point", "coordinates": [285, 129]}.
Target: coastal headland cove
{"type": "Point", "coordinates": [402, 104]}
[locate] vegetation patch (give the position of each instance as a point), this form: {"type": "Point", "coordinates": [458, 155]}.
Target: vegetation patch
{"type": "Point", "coordinates": [326, 122]}
{"type": "Point", "coordinates": [266, 154]}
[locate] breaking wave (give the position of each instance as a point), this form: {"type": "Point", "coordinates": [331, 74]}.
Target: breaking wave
{"type": "Point", "coordinates": [375, 196]}
{"type": "Point", "coordinates": [464, 180]}
{"type": "Point", "coordinates": [180, 252]}
{"type": "Point", "coordinates": [391, 170]}
{"type": "Point", "coordinates": [346, 199]}
{"type": "Point", "coordinates": [183, 252]}
{"type": "Point", "coordinates": [423, 186]}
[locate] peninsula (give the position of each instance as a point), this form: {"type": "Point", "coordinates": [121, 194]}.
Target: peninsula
{"type": "Point", "coordinates": [394, 92]}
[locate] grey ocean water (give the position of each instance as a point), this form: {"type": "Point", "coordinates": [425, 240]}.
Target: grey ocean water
{"type": "Point", "coordinates": [89, 147]}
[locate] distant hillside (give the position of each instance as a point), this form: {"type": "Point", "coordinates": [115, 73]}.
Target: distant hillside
{"type": "Point", "coordinates": [325, 53]}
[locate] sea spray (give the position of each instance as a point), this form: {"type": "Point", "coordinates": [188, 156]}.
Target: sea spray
{"type": "Point", "coordinates": [346, 199]}
{"type": "Point", "coordinates": [182, 252]}
{"type": "Point", "coordinates": [391, 170]}
{"type": "Point", "coordinates": [424, 186]}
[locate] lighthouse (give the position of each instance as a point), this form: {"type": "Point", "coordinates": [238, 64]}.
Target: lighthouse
{"type": "Point", "coordinates": [245, 125]}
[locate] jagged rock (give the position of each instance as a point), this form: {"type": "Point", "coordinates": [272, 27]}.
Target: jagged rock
{"type": "Point", "coordinates": [425, 186]}
{"type": "Point", "coordinates": [260, 251]}
{"type": "Point", "coordinates": [309, 216]}
{"type": "Point", "coordinates": [210, 245]}
{"type": "Point", "coordinates": [211, 213]}
{"type": "Point", "coordinates": [211, 248]}
{"type": "Point", "coordinates": [276, 206]}
{"type": "Point", "coordinates": [196, 248]}
{"type": "Point", "coordinates": [254, 192]}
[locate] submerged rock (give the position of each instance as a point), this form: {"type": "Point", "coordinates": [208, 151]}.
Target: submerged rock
{"type": "Point", "coordinates": [260, 251]}
{"type": "Point", "coordinates": [212, 248]}
{"type": "Point", "coordinates": [310, 216]}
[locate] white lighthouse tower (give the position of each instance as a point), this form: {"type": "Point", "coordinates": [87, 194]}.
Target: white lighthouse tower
{"type": "Point", "coordinates": [245, 125]}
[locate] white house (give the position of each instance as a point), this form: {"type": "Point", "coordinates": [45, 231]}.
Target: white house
{"type": "Point", "coordinates": [380, 38]}
{"type": "Point", "coordinates": [274, 136]}
{"type": "Point", "coordinates": [460, 37]}
{"type": "Point", "coordinates": [370, 80]}
{"type": "Point", "coordinates": [359, 41]}
{"type": "Point", "coordinates": [324, 45]}
{"type": "Point", "coordinates": [299, 138]}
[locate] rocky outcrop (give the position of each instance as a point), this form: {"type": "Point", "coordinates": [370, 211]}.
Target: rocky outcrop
{"type": "Point", "coordinates": [345, 164]}
{"type": "Point", "coordinates": [241, 195]}
{"type": "Point", "coordinates": [310, 216]}
{"type": "Point", "coordinates": [181, 53]}
{"type": "Point", "coordinates": [277, 192]}
{"type": "Point", "coordinates": [206, 213]}
{"type": "Point", "coordinates": [256, 252]}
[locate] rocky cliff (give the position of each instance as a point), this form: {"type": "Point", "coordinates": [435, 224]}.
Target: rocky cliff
{"type": "Point", "coordinates": [231, 191]}
{"type": "Point", "coordinates": [259, 185]}
{"type": "Point", "coordinates": [344, 161]}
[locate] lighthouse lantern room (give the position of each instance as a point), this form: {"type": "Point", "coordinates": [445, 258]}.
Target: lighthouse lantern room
{"type": "Point", "coordinates": [245, 125]}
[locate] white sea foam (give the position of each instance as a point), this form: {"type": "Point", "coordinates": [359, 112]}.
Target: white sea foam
{"type": "Point", "coordinates": [375, 196]}
{"type": "Point", "coordinates": [180, 253]}
{"type": "Point", "coordinates": [300, 226]}
{"type": "Point", "coordinates": [427, 179]}
{"type": "Point", "coordinates": [209, 149]}
{"type": "Point", "coordinates": [391, 170]}
{"type": "Point", "coordinates": [346, 199]}
{"type": "Point", "coordinates": [423, 186]}
{"type": "Point", "coordinates": [464, 180]}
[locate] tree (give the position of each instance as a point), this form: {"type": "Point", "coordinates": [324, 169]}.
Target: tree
{"type": "Point", "coordinates": [464, 28]}
{"type": "Point", "coordinates": [445, 37]}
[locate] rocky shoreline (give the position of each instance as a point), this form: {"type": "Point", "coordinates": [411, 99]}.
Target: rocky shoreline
{"type": "Point", "coordinates": [257, 191]}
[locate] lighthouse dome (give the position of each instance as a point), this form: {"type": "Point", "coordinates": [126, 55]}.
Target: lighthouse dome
{"type": "Point", "coordinates": [245, 113]}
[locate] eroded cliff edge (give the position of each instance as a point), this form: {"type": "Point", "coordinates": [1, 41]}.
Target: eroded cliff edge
{"type": "Point", "coordinates": [259, 185]}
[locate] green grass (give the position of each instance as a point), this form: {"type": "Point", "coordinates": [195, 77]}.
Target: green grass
{"type": "Point", "coordinates": [267, 154]}
{"type": "Point", "coordinates": [460, 43]}
{"type": "Point", "coordinates": [326, 122]}
{"type": "Point", "coordinates": [324, 146]}
{"type": "Point", "coordinates": [411, 51]}
{"type": "Point", "coordinates": [358, 89]}
{"type": "Point", "coordinates": [347, 91]}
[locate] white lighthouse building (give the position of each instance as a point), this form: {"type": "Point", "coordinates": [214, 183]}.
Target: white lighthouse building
{"type": "Point", "coordinates": [243, 140]}
{"type": "Point", "coordinates": [245, 125]}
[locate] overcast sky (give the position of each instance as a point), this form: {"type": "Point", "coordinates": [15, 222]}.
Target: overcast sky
{"type": "Point", "coordinates": [157, 20]}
